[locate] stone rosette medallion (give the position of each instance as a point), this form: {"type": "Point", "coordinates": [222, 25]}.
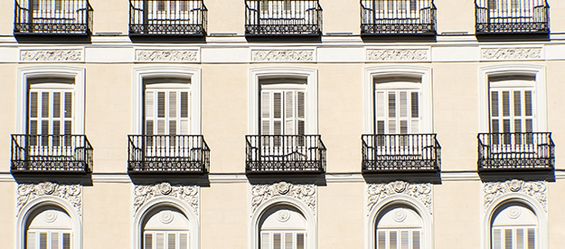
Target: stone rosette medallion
{"type": "Point", "coordinates": [189, 195]}
{"type": "Point", "coordinates": [536, 190]}
{"type": "Point", "coordinates": [378, 193]}
{"type": "Point", "coordinates": [72, 194]}
{"type": "Point", "coordinates": [305, 193]}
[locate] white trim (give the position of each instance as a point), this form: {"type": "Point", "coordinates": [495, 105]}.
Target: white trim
{"type": "Point", "coordinates": [311, 76]}
{"type": "Point", "coordinates": [399, 199]}
{"type": "Point", "coordinates": [398, 70]}
{"type": "Point", "coordinates": [28, 208]}
{"type": "Point", "coordinates": [79, 88]}
{"type": "Point", "coordinates": [311, 221]}
{"type": "Point", "coordinates": [167, 71]}
{"type": "Point", "coordinates": [488, 215]}
{"type": "Point", "coordinates": [164, 201]}
{"type": "Point", "coordinates": [540, 87]}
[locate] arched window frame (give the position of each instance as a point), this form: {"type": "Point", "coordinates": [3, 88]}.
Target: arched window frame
{"type": "Point", "coordinates": [142, 214]}
{"type": "Point", "coordinates": [537, 71]}
{"type": "Point", "coordinates": [311, 102]}
{"type": "Point", "coordinates": [399, 200]}
{"type": "Point", "coordinates": [500, 202]}
{"type": "Point", "coordinates": [311, 221]}
{"type": "Point", "coordinates": [195, 88]}
{"type": "Point", "coordinates": [25, 213]}
{"type": "Point", "coordinates": [37, 72]}
{"type": "Point", "coordinates": [426, 103]}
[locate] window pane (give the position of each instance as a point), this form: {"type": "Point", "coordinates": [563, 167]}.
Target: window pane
{"type": "Point", "coordinates": [496, 241]}
{"type": "Point", "coordinates": [300, 241]}
{"type": "Point", "coordinates": [33, 105]}
{"type": "Point", "coordinates": [161, 104]}
{"type": "Point", "coordinates": [160, 241]}
{"type": "Point", "coordinates": [505, 103]}
{"type": "Point", "coordinates": [68, 105]}
{"type": "Point", "coordinates": [403, 104]}
{"type": "Point", "coordinates": [172, 241]}
{"type": "Point", "coordinates": [391, 105]}
{"type": "Point", "coordinates": [31, 240]}
{"type": "Point", "coordinates": [380, 105]}
{"type": "Point", "coordinates": [404, 240]}
{"type": "Point", "coordinates": [494, 103]}
{"type": "Point", "coordinates": [508, 238]}
{"type": "Point", "coordinates": [42, 240]}
{"type": "Point", "coordinates": [301, 105]}
{"type": "Point", "coordinates": [392, 240]}
{"type": "Point", "coordinates": [183, 241]}
{"type": "Point", "coordinates": [416, 240]}
{"type": "Point", "coordinates": [277, 105]}
{"type": "Point", "coordinates": [66, 241]}
{"type": "Point", "coordinates": [265, 241]}
{"type": "Point", "coordinates": [531, 238]}
{"type": "Point", "coordinates": [528, 103]}
{"type": "Point", "coordinates": [415, 105]}
{"type": "Point", "coordinates": [381, 240]}
{"type": "Point", "coordinates": [265, 105]}
{"type": "Point", "coordinates": [288, 241]}
{"type": "Point", "coordinates": [44, 105]}
{"type": "Point", "coordinates": [520, 238]}
{"type": "Point", "coordinates": [289, 105]}
{"type": "Point", "coordinates": [184, 104]}
{"type": "Point", "coordinates": [54, 241]}
{"type": "Point", "coordinates": [148, 241]}
{"type": "Point", "coordinates": [276, 241]}
{"type": "Point", "coordinates": [56, 105]}
{"type": "Point", "coordinates": [172, 104]}
{"type": "Point", "coordinates": [517, 103]}
{"type": "Point", "coordinates": [149, 105]}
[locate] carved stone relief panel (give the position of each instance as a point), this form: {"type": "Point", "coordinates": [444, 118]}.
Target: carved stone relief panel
{"type": "Point", "coordinates": [392, 55]}
{"type": "Point", "coordinates": [190, 195]}
{"type": "Point", "coordinates": [305, 193]}
{"type": "Point", "coordinates": [70, 193]}
{"type": "Point", "coordinates": [167, 55]}
{"type": "Point", "coordinates": [511, 53]}
{"type": "Point", "coordinates": [536, 190]}
{"type": "Point", "coordinates": [377, 193]}
{"type": "Point", "coordinates": [283, 55]}
{"type": "Point", "coordinates": [51, 55]}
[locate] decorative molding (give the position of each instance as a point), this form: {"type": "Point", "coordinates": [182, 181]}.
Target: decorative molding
{"type": "Point", "coordinates": [29, 192]}
{"type": "Point", "coordinates": [166, 55]}
{"type": "Point", "coordinates": [379, 192]}
{"type": "Point", "coordinates": [537, 190]}
{"type": "Point", "coordinates": [306, 193]}
{"type": "Point", "coordinates": [283, 55]}
{"type": "Point", "coordinates": [51, 55]}
{"type": "Point", "coordinates": [187, 194]}
{"type": "Point", "coordinates": [398, 55]}
{"type": "Point", "coordinates": [511, 53]}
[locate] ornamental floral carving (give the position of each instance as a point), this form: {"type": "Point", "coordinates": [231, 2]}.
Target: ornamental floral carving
{"type": "Point", "coordinates": [306, 193]}
{"type": "Point", "coordinates": [70, 193]}
{"type": "Point", "coordinates": [280, 55]}
{"type": "Point", "coordinates": [51, 55]}
{"type": "Point", "coordinates": [511, 53]}
{"type": "Point", "coordinates": [537, 190]}
{"type": "Point", "coordinates": [397, 54]}
{"type": "Point", "coordinates": [166, 55]}
{"type": "Point", "coordinates": [185, 194]}
{"type": "Point", "coordinates": [379, 192]}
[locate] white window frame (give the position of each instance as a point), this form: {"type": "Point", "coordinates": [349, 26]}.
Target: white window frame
{"type": "Point", "coordinates": [489, 213]}
{"type": "Point", "coordinates": [426, 102]}
{"type": "Point", "coordinates": [426, 236]}
{"type": "Point", "coordinates": [27, 210]}
{"type": "Point", "coordinates": [78, 88]}
{"type": "Point", "coordinates": [195, 87]}
{"type": "Point", "coordinates": [165, 201]}
{"type": "Point", "coordinates": [539, 89]}
{"type": "Point", "coordinates": [311, 222]}
{"type": "Point", "coordinates": [311, 92]}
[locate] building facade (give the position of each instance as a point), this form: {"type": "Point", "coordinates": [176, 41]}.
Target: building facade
{"type": "Point", "coordinates": [282, 124]}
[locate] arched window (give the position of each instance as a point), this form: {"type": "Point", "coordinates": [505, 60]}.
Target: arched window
{"type": "Point", "coordinates": [514, 226]}
{"type": "Point", "coordinates": [165, 228]}
{"type": "Point", "coordinates": [399, 227]}
{"type": "Point", "coordinates": [49, 228]}
{"type": "Point", "coordinates": [282, 227]}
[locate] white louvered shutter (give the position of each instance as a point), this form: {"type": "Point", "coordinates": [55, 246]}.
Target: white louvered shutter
{"type": "Point", "coordinates": [511, 110]}
{"type": "Point", "coordinates": [50, 113]}
{"type": "Point", "coordinates": [283, 112]}
{"type": "Point", "coordinates": [167, 112]}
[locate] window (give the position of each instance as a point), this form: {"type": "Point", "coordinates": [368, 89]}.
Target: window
{"type": "Point", "coordinates": [167, 106]}
{"type": "Point", "coordinates": [282, 107]}
{"type": "Point", "coordinates": [166, 228]}
{"type": "Point", "coordinates": [283, 227]}
{"type": "Point", "coordinates": [50, 110]}
{"type": "Point", "coordinates": [397, 105]}
{"type": "Point", "coordinates": [512, 104]}
{"type": "Point", "coordinates": [399, 228]}
{"type": "Point", "coordinates": [49, 228]}
{"type": "Point", "coordinates": [514, 227]}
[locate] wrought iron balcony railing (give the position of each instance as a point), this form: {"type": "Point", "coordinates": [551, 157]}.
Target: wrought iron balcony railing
{"type": "Point", "coordinates": [398, 153]}
{"type": "Point", "coordinates": [167, 17]}
{"type": "Point", "coordinates": [398, 17]}
{"type": "Point", "coordinates": [512, 16]}
{"type": "Point", "coordinates": [283, 17]}
{"type": "Point", "coordinates": [164, 154]}
{"type": "Point", "coordinates": [516, 151]}
{"type": "Point", "coordinates": [52, 17]}
{"type": "Point", "coordinates": [285, 154]}
{"type": "Point", "coordinates": [67, 154]}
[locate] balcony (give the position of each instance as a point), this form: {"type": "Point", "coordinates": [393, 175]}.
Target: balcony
{"type": "Point", "coordinates": [401, 153]}
{"type": "Point", "coordinates": [398, 17]}
{"type": "Point", "coordinates": [168, 154]}
{"type": "Point", "coordinates": [65, 154]}
{"type": "Point", "coordinates": [512, 17]}
{"type": "Point", "coordinates": [286, 154]}
{"type": "Point", "coordinates": [167, 18]}
{"type": "Point", "coordinates": [53, 17]}
{"type": "Point", "coordinates": [283, 18]}
{"type": "Point", "coordinates": [520, 151]}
